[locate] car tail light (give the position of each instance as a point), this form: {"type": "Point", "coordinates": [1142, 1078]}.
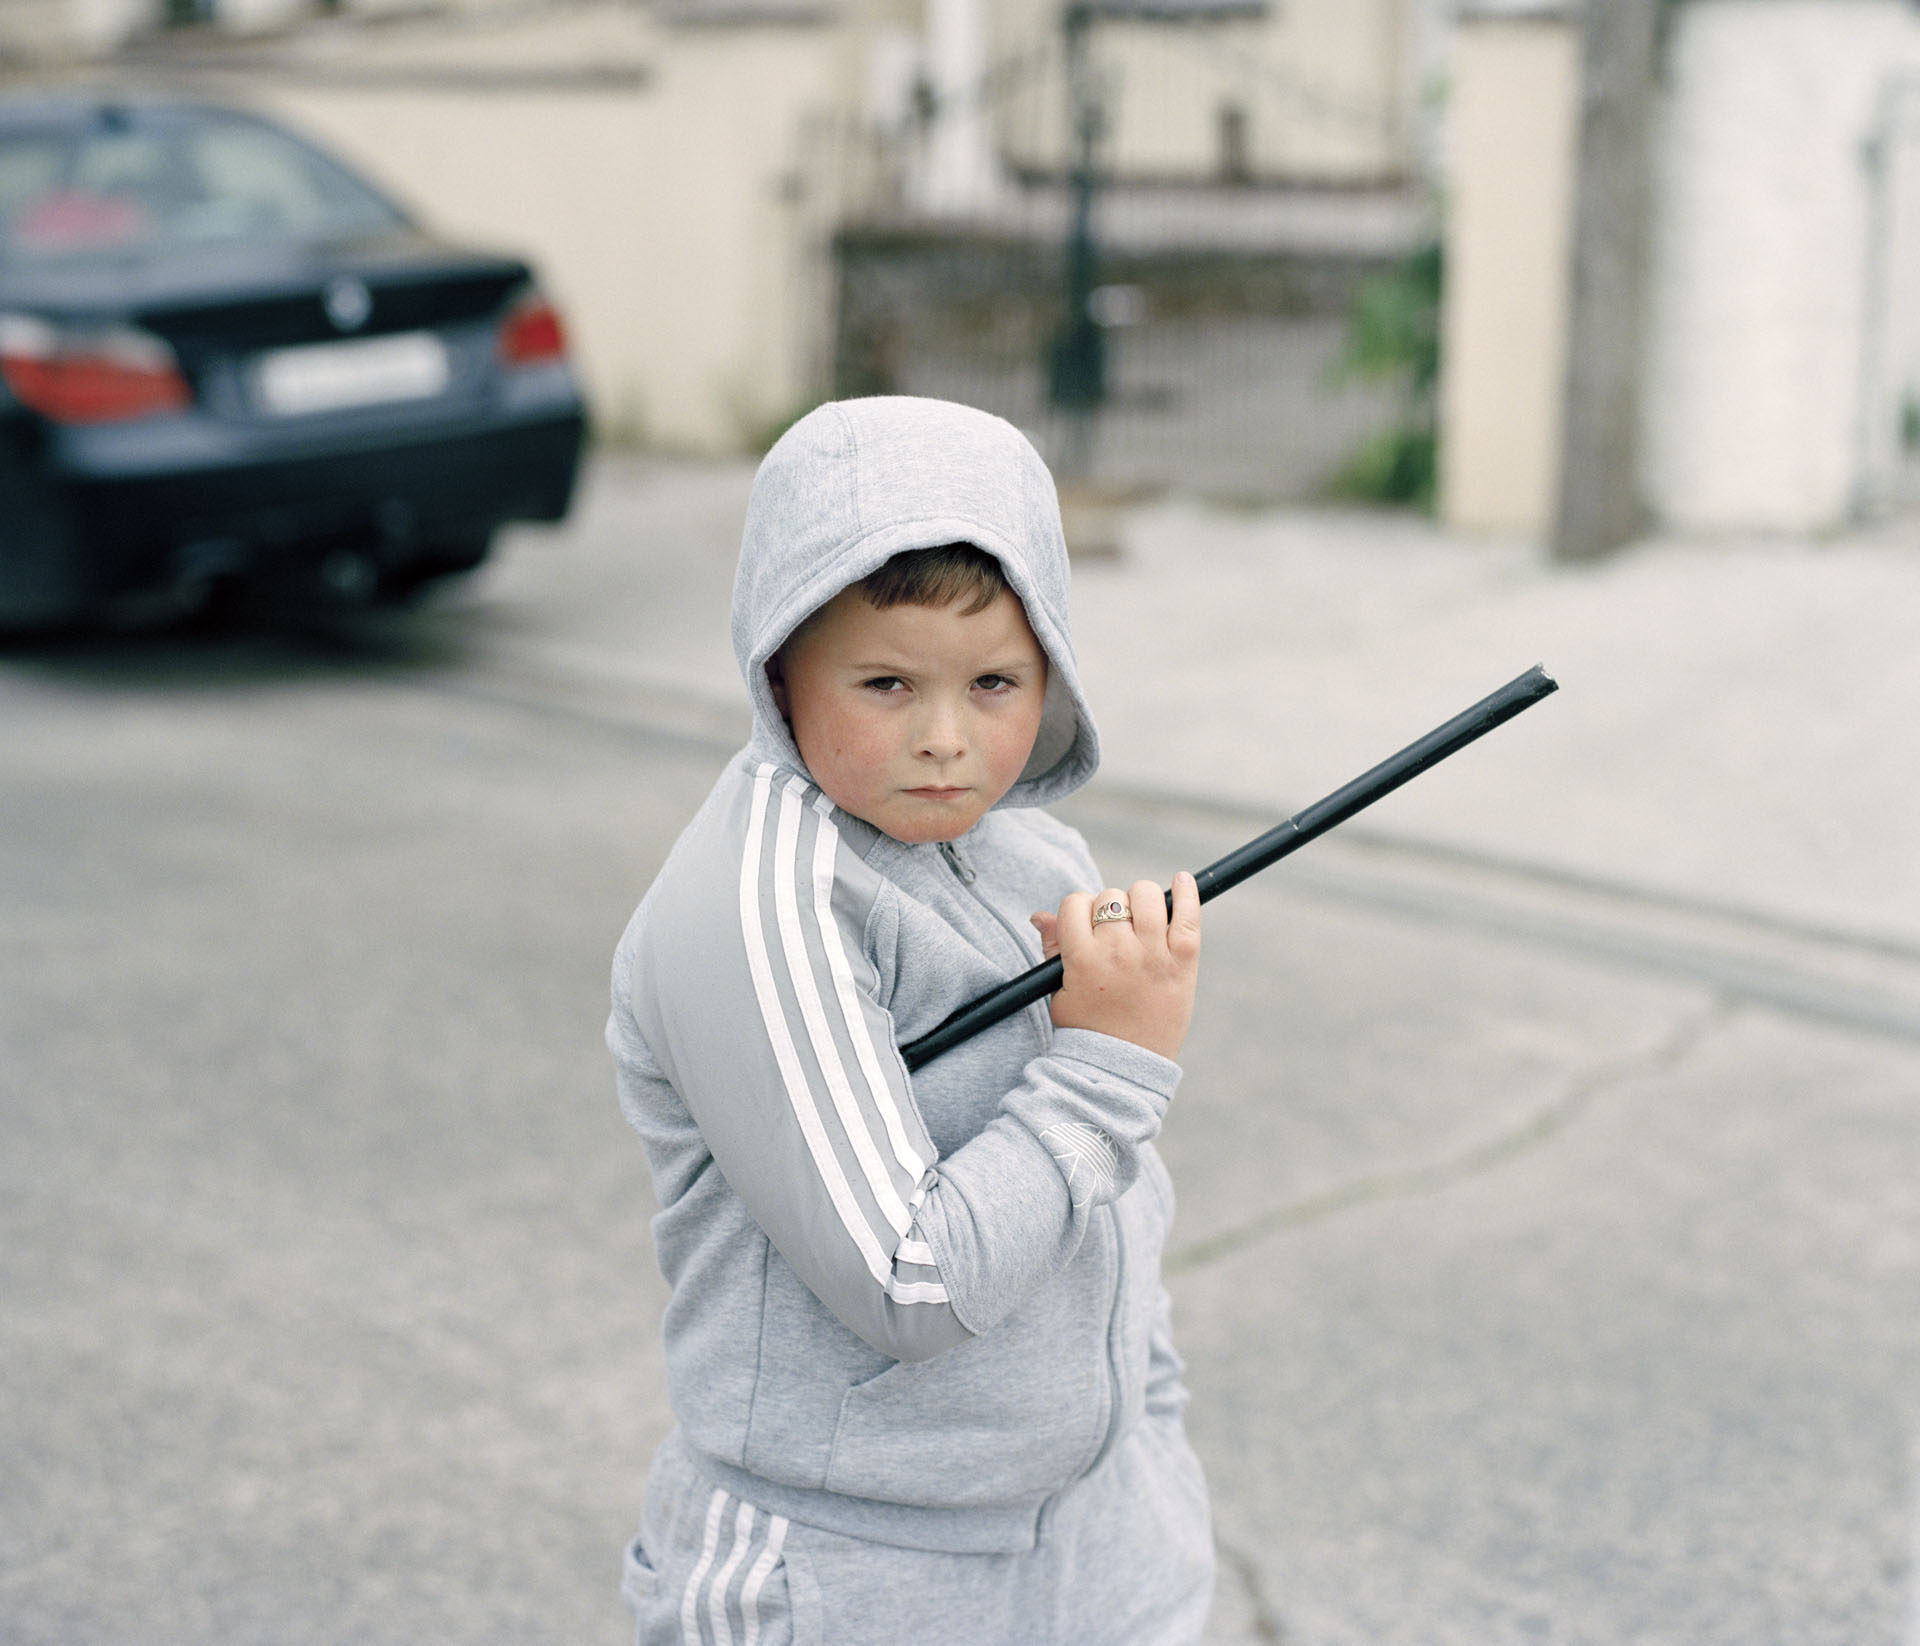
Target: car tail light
{"type": "Point", "coordinates": [531, 333]}
{"type": "Point", "coordinates": [104, 374]}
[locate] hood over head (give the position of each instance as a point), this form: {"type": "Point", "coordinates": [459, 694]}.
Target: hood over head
{"type": "Point", "coordinates": [856, 482]}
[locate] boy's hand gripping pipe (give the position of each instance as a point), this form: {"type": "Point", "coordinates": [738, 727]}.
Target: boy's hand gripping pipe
{"type": "Point", "coordinates": [1269, 848]}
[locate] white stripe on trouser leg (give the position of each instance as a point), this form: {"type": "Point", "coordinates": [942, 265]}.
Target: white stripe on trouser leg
{"type": "Point", "coordinates": [723, 1579]}
{"type": "Point", "coordinates": [690, 1599]}
{"type": "Point", "coordinates": [757, 1579]}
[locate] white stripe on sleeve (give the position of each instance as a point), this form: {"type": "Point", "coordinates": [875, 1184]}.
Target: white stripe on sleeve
{"type": "Point", "coordinates": [850, 1012]}
{"type": "Point", "coordinates": [793, 1076]}
{"type": "Point", "coordinates": [806, 990]}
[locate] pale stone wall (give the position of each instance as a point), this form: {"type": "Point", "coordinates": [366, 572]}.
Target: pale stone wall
{"type": "Point", "coordinates": [42, 31]}
{"type": "Point", "coordinates": [1762, 407]}
{"type": "Point", "coordinates": [1509, 216]}
{"type": "Point", "coordinates": [676, 220]}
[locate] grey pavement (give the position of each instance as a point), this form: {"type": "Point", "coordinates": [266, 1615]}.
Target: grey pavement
{"type": "Point", "coordinates": [329, 1304]}
{"type": "Point", "coordinates": [1549, 1245]}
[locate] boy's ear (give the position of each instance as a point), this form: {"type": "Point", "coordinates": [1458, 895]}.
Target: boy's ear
{"type": "Point", "coordinates": [777, 679]}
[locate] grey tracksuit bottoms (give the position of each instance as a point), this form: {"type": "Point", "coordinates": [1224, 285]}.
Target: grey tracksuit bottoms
{"type": "Point", "coordinates": [1124, 1558]}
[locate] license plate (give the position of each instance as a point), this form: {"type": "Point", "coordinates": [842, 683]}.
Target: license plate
{"type": "Point", "coordinates": [371, 371]}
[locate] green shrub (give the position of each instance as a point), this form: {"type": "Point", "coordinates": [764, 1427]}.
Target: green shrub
{"type": "Point", "coordinates": [1393, 466]}
{"type": "Point", "coordinates": [1393, 336]}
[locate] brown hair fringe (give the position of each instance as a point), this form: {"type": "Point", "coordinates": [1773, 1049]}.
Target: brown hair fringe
{"type": "Point", "coordinates": [936, 577]}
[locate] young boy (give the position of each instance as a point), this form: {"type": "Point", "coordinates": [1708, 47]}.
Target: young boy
{"type": "Point", "coordinates": [917, 1343]}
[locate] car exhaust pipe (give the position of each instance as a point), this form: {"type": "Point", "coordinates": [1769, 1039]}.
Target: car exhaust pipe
{"type": "Point", "coordinates": [350, 576]}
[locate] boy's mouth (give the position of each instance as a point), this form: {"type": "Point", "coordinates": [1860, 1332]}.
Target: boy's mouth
{"type": "Point", "coordinates": [937, 792]}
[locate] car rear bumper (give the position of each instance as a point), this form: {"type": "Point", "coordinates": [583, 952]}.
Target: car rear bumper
{"type": "Point", "coordinates": [422, 490]}
{"type": "Point", "coordinates": [133, 516]}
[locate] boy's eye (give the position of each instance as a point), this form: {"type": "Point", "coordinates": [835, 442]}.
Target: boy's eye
{"type": "Point", "coordinates": [996, 682]}
{"type": "Point", "coordinates": [883, 683]}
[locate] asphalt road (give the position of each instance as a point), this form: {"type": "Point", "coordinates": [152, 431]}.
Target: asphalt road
{"type": "Point", "coordinates": [1541, 1276]}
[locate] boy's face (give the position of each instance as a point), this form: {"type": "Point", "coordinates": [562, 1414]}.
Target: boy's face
{"type": "Point", "coordinates": [915, 718]}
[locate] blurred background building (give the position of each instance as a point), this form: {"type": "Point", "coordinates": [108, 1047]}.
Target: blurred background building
{"type": "Point", "coordinates": [1682, 277]}
{"type": "Point", "coordinates": [1680, 240]}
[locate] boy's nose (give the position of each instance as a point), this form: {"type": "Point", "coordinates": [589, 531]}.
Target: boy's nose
{"type": "Point", "coordinates": [940, 737]}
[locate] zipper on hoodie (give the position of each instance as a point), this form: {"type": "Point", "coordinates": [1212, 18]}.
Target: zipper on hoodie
{"type": "Point", "coordinates": [957, 861]}
{"type": "Point", "coordinates": [965, 873]}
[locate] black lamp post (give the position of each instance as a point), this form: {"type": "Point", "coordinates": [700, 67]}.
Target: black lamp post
{"type": "Point", "coordinates": [1077, 383]}
{"type": "Point", "coordinates": [1077, 365]}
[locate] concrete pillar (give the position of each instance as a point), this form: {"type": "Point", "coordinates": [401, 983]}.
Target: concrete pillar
{"type": "Point", "coordinates": [961, 175]}
{"type": "Point", "coordinates": [1516, 87]}
{"type": "Point", "coordinates": [1599, 506]}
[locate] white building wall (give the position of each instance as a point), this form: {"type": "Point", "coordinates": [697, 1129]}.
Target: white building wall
{"type": "Point", "coordinates": [1758, 315]}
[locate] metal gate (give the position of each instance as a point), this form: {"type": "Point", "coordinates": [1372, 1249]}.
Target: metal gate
{"type": "Point", "coordinates": [1221, 365]}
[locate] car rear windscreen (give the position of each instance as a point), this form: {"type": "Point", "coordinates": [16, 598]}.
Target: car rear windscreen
{"type": "Point", "coordinates": [134, 187]}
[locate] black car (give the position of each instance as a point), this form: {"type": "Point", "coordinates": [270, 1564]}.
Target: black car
{"type": "Point", "coordinates": [223, 357]}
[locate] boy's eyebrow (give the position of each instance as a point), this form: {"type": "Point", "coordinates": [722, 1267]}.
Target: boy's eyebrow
{"type": "Point", "coordinates": [904, 665]}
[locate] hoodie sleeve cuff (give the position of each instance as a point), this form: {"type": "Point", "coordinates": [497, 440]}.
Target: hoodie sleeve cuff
{"type": "Point", "coordinates": [1067, 1141]}
{"type": "Point", "coordinates": [1091, 1101]}
{"type": "Point", "coordinates": [1156, 1074]}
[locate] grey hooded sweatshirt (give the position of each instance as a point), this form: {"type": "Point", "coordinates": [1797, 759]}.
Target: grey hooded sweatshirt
{"type": "Point", "coordinates": [908, 1309]}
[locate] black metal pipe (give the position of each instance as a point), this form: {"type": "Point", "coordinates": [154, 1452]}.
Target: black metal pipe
{"type": "Point", "coordinates": [1519, 693]}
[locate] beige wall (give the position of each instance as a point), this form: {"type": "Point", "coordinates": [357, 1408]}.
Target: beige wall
{"type": "Point", "coordinates": [1509, 216]}
{"type": "Point", "coordinates": [677, 220]}
{"type": "Point", "coordinates": [60, 31]}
